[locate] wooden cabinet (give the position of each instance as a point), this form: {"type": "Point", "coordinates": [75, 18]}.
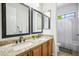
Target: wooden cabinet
{"type": "Point", "coordinates": [47, 48]}
{"type": "Point", "coordinates": [44, 49]}
{"type": "Point", "coordinates": [37, 51]}
{"type": "Point", "coordinates": [50, 47]}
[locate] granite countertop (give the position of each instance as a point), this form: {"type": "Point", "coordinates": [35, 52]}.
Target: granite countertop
{"type": "Point", "coordinates": [15, 49]}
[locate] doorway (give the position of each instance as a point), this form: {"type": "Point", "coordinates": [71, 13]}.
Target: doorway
{"type": "Point", "coordinates": [67, 29]}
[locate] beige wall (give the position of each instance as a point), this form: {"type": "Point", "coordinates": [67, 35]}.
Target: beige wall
{"type": "Point", "coordinates": [51, 6]}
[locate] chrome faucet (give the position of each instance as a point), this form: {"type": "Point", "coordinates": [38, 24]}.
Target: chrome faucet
{"type": "Point", "coordinates": [20, 39]}
{"type": "Point", "coordinates": [19, 31]}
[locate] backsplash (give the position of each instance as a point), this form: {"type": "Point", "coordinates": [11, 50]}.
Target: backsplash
{"type": "Point", "coordinates": [10, 40]}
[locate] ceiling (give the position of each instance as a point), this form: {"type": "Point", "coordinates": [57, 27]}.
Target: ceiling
{"type": "Point", "coordinates": [62, 4]}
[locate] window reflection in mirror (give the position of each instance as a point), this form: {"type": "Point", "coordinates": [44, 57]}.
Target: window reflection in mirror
{"type": "Point", "coordinates": [36, 21]}
{"type": "Point", "coordinates": [46, 22]}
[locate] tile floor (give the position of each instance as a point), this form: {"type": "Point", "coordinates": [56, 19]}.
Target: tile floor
{"type": "Point", "coordinates": [62, 53]}
{"type": "Point", "coordinates": [65, 53]}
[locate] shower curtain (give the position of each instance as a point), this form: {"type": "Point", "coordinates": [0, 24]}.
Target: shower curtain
{"type": "Point", "coordinates": [67, 30]}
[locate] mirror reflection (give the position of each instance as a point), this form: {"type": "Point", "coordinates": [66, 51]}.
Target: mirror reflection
{"type": "Point", "coordinates": [17, 19]}
{"type": "Point", "coordinates": [37, 21]}
{"type": "Point", "coordinates": [46, 21]}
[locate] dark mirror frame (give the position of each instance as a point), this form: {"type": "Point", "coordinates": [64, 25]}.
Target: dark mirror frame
{"type": "Point", "coordinates": [48, 21]}
{"type": "Point", "coordinates": [4, 22]}
{"type": "Point", "coordinates": [32, 21]}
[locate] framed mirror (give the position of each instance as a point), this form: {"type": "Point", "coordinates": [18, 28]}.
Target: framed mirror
{"type": "Point", "coordinates": [15, 19]}
{"type": "Point", "coordinates": [46, 22]}
{"type": "Point", "coordinates": [36, 21]}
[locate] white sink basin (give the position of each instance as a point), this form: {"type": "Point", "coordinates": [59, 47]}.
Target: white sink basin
{"type": "Point", "coordinates": [22, 46]}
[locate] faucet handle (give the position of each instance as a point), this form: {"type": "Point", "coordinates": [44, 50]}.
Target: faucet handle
{"type": "Point", "coordinates": [17, 41]}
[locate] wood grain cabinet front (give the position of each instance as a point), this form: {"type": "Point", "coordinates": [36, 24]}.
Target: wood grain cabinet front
{"type": "Point", "coordinates": [44, 49]}
{"type": "Point", "coordinates": [37, 51]}
{"type": "Point", "coordinates": [50, 47]}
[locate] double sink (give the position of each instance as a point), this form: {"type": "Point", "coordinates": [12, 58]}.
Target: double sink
{"type": "Point", "coordinates": [14, 49]}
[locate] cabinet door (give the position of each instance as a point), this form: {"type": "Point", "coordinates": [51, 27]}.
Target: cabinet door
{"type": "Point", "coordinates": [50, 46]}
{"type": "Point", "coordinates": [45, 49]}
{"type": "Point", "coordinates": [37, 51]}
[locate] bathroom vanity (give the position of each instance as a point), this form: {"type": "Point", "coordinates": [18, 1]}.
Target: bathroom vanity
{"type": "Point", "coordinates": [43, 49]}
{"type": "Point", "coordinates": [42, 46]}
